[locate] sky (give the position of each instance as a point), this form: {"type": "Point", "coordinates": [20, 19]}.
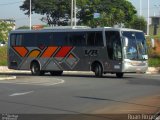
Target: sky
{"type": "Point", "coordinates": [9, 9]}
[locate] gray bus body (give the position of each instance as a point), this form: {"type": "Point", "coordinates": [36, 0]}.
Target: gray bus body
{"type": "Point", "coordinates": [101, 50]}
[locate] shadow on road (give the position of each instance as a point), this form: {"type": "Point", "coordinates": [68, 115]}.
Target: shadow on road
{"type": "Point", "coordinates": [117, 101]}
{"type": "Point", "coordinates": [68, 75]}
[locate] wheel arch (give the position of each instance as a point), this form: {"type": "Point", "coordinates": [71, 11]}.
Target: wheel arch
{"type": "Point", "coordinates": [35, 61]}
{"type": "Point", "coordinates": [94, 64]}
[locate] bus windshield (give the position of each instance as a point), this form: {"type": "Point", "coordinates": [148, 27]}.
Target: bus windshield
{"type": "Point", "coordinates": [136, 49]}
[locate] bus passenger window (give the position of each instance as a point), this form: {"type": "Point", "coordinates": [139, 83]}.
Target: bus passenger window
{"type": "Point", "coordinates": [95, 39]}
{"type": "Point", "coordinates": [19, 40]}
{"type": "Point", "coordinates": [77, 39]}
{"type": "Point", "coordinates": [13, 40]}
{"type": "Point", "coordinates": [44, 38]}
{"type": "Point", "coordinates": [29, 40]}
{"type": "Point", "coordinates": [90, 39]}
{"type": "Point", "coordinates": [98, 39]}
{"type": "Point", "coordinates": [60, 39]}
{"type": "Point", "coordinates": [16, 40]}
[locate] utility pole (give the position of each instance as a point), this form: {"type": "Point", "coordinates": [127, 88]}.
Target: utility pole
{"type": "Point", "coordinates": [148, 20]}
{"type": "Point", "coordinates": [75, 12]}
{"type": "Point", "coordinates": [30, 12]}
{"type": "Point", "coordinates": [71, 12]}
{"type": "Point", "coordinates": [140, 8]}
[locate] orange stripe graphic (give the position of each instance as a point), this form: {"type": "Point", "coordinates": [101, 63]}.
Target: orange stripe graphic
{"type": "Point", "coordinates": [63, 52]}
{"type": "Point", "coordinates": [49, 52]}
{"type": "Point", "coordinates": [34, 54]}
{"type": "Point", "coordinates": [22, 51]}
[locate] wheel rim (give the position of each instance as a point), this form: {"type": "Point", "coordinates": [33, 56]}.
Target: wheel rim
{"type": "Point", "coordinates": [98, 71]}
{"type": "Point", "coordinates": [35, 69]}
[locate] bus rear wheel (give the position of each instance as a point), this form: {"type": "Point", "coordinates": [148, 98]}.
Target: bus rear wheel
{"type": "Point", "coordinates": [56, 73]}
{"type": "Point", "coordinates": [119, 75]}
{"type": "Point", "coordinates": [35, 69]}
{"type": "Point", "coordinates": [98, 70]}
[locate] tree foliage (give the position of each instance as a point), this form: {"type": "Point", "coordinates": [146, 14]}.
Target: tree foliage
{"type": "Point", "coordinates": [5, 28]}
{"type": "Point", "coordinates": [112, 12]}
{"type": "Point", "coordinates": [138, 23]}
{"type": "Point", "coordinates": [54, 10]}
{"type": "Point", "coordinates": [57, 12]}
{"type": "Point", "coordinates": [24, 27]}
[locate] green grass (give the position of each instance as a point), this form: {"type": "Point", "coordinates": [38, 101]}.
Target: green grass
{"type": "Point", "coordinates": [3, 56]}
{"type": "Point", "coordinates": [154, 62]}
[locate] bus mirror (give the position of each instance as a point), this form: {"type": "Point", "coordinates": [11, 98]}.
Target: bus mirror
{"type": "Point", "coordinates": [125, 41]}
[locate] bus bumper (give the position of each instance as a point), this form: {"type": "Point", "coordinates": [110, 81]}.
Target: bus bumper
{"type": "Point", "coordinates": [134, 66]}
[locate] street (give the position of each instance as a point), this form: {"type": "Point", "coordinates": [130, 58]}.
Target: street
{"type": "Point", "coordinates": [73, 93]}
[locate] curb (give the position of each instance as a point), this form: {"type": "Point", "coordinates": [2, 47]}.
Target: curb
{"type": "Point", "coordinates": [4, 69]}
{"type": "Point", "coordinates": [7, 78]}
{"type": "Point", "coordinates": [153, 70]}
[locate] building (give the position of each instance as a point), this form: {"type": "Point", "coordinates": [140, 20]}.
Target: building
{"type": "Point", "coordinates": [155, 20]}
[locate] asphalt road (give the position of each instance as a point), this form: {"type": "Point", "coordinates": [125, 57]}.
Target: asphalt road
{"type": "Point", "coordinates": [72, 93]}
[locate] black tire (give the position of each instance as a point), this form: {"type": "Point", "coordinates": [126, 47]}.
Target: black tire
{"type": "Point", "coordinates": [35, 69]}
{"type": "Point", "coordinates": [98, 70]}
{"type": "Point", "coordinates": [56, 73]}
{"type": "Point", "coordinates": [119, 75]}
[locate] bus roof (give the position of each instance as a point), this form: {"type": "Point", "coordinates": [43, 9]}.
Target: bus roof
{"type": "Point", "coordinates": [77, 28]}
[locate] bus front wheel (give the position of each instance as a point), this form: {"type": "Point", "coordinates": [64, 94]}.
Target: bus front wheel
{"type": "Point", "coordinates": [119, 75]}
{"type": "Point", "coordinates": [98, 70]}
{"type": "Point", "coordinates": [35, 69]}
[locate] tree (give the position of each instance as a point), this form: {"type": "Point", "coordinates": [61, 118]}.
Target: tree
{"type": "Point", "coordinates": [24, 27]}
{"type": "Point", "coordinates": [112, 12]}
{"type": "Point", "coordinates": [138, 23]}
{"type": "Point", "coordinates": [5, 28]}
{"type": "Point", "coordinates": [58, 11]}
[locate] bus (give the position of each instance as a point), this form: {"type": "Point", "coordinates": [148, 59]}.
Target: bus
{"type": "Point", "coordinates": [101, 50]}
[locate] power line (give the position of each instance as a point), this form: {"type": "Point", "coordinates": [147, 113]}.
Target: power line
{"type": "Point", "coordinates": [11, 3]}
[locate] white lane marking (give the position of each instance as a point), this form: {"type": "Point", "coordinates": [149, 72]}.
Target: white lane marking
{"type": "Point", "coordinates": [18, 94]}
{"type": "Point", "coordinates": [41, 82]}
{"type": "Point", "coordinates": [24, 93]}
{"type": "Point", "coordinates": [60, 82]}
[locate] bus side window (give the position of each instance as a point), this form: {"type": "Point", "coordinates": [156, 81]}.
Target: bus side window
{"type": "Point", "coordinates": [19, 38]}
{"type": "Point", "coordinates": [59, 39]}
{"type": "Point", "coordinates": [90, 38]}
{"type": "Point", "coordinates": [29, 40]}
{"type": "Point", "coordinates": [95, 39]}
{"type": "Point", "coordinates": [99, 39]}
{"type": "Point", "coordinates": [44, 39]}
{"type": "Point", "coordinates": [77, 39]}
{"type": "Point", "coordinates": [16, 39]}
{"type": "Point", "coordinates": [13, 40]}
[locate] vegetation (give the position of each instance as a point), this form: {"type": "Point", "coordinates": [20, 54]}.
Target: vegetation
{"type": "Point", "coordinates": [138, 23]}
{"type": "Point", "coordinates": [154, 62]}
{"type": "Point", "coordinates": [54, 10]}
{"type": "Point", "coordinates": [4, 30]}
{"type": "Point", "coordinates": [58, 12]}
{"type": "Point", "coordinates": [23, 27]}
{"type": "Point", "coordinates": [3, 56]}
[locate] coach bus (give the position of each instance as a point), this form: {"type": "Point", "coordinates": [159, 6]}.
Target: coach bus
{"type": "Point", "coordinates": [101, 50]}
